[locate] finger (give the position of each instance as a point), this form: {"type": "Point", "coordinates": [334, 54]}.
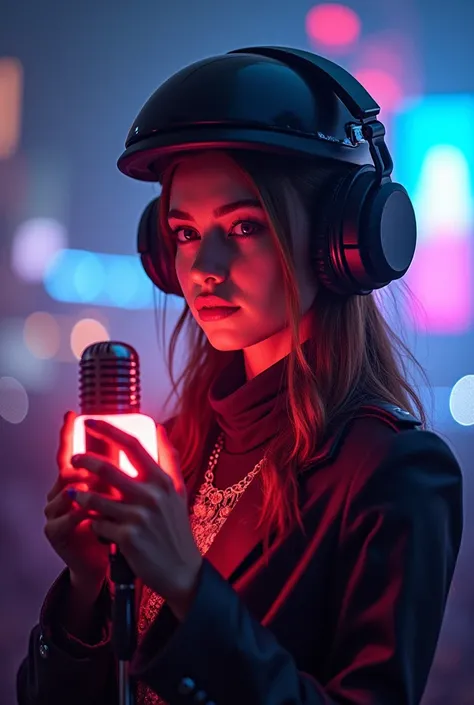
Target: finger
{"type": "Point", "coordinates": [63, 502]}
{"type": "Point", "coordinates": [109, 530]}
{"type": "Point", "coordinates": [65, 447]}
{"type": "Point", "coordinates": [136, 453]}
{"type": "Point", "coordinates": [61, 527]}
{"type": "Point", "coordinates": [111, 474]}
{"type": "Point", "coordinates": [110, 509]}
{"type": "Point", "coordinates": [70, 475]}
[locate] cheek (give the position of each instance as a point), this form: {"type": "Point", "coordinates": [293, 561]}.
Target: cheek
{"type": "Point", "coordinates": [183, 266]}
{"type": "Point", "coordinates": [180, 268]}
{"type": "Point", "coordinates": [255, 278]}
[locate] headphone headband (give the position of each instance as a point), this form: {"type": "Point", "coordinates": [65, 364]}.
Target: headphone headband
{"type": "Point", "coordinates": [354, 96]}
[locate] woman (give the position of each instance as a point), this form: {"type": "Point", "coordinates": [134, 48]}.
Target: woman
{"type": "Point", "coordinates": [297, 541]}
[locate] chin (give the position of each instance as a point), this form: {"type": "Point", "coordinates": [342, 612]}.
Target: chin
{"type": "Point", "coordinates": [229, 337]}
{"type": "Point", "coordinates": [225, 342]}
{"type": "Point", "coordinates": [228, 340]}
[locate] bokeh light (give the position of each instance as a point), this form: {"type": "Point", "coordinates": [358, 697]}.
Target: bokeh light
{"type": "Point", "coordinates": [384, 88]}
{"type": "Point", "coordinates": [89, 277]}
{"type": "Point", "coordinates": [86, 332]}
{"type": "Point", "coordinates": [436, 167]}
{"type": "Point", "coordinates": [35, 245]}
{"type": "Point", "coordinates": [14, 402]}
{"type": "Point", "coordinates": [11, 92]}
{"type": "Point", "coordinates": [123, 281]}
{"type": "Point", "coordinates": [461, 402]}
{"type": "Point", "coordinates": [396, 54]}
{"type": "Point", "coordinates": [81, 276]}
{"type": "Point", "coordinates": [443, 198]}
{"type": "Point", "coordinates": [42, 335]}
{"type": "Point", "coordinates": [333, 25]}
{"type": "Point", "coordinates": [16, 359]}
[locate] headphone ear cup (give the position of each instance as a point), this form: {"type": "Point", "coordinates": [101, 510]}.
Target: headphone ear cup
{"type": "Point", "coordinates": [156, 255]}
{"type": "Point", "coordinates": [387, 233]}
{"type": "Point", "coordinates": [367, 233]}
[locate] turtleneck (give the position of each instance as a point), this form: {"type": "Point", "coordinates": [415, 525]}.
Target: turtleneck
{"type": "Point", "coordinates": [250, 412]}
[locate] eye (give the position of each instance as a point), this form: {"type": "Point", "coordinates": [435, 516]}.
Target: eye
{"type": "Point", "coordinates": [186, 232]}
{"type": "Point", "coordinates": [239, 228]}
{"type": "Point", "coordinates": [247, 227]}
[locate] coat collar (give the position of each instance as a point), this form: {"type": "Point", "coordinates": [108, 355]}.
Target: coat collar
{"type": "Point", "coordinates": [240, 532]}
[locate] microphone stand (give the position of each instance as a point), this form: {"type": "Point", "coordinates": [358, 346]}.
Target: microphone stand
{"type": "Point", "coordinates": [124, 636]}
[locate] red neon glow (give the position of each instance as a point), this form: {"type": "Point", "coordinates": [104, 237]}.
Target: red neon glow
{"type": "Point", "coordinates": [138, 425]}
{"type": "Point", "coordinates": [384, 87]}
{"type": "Point", "coordinates": [441, 279]}
{"type": "Point", "coordinates": [333, 25]}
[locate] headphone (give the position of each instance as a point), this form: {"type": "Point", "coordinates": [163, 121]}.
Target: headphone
{"type": "Point", "coordinates": [366, 232]}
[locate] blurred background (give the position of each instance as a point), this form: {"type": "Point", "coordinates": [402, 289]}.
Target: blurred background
{"type": "Point", "coordinates": [72, 78]}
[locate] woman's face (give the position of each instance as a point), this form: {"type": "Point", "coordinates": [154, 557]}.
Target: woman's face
{"type": "Point", "coordinates": [225, 248]}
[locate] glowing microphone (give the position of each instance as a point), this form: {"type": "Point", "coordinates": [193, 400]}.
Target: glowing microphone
{"type": "Point", "coordinates": [109, 389]}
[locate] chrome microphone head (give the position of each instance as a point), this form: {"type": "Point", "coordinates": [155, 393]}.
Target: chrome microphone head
{"type": "Point", "coordinates": [109, 379]}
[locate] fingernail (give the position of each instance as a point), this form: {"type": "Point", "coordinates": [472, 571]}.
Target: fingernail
{"type": "Point", "coordinates": [72, 492]}
{"type": "Point", "coordinates": [90, 423]}
{"type": "Point", "coordinates": [76, 460]}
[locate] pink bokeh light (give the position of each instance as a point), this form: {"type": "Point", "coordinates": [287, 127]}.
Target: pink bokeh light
{"type": "Point", "coordinates": [333, 25]}
{"type": "Point", "coordinates": [382, 86]}
{"type": "Point", "coordinates": [441, 279]}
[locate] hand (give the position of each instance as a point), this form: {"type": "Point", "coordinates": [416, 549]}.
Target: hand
{"type": "Point", "coordinates": [68, 528]}
{"type": "Point", "coordinates": [149, 522]}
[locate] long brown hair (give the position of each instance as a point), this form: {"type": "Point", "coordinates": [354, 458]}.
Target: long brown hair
{"type": "Point", "coordinates": [354, 355]}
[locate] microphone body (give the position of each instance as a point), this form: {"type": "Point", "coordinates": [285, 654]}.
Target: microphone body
{"type": "Point", "coordinates": [109, 389]}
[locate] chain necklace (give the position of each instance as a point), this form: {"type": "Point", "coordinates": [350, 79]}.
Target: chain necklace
{"type": "Point", "coordinates": [209, 512]}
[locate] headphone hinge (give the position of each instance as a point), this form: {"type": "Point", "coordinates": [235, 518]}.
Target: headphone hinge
{"type": "Point", "coordinates": [374, 133]}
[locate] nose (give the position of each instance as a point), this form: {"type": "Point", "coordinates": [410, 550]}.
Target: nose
{"type": "Point", "coordinates": [212, 261]}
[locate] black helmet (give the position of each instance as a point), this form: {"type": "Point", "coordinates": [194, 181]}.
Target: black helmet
{"type": "Point", "coordinates": [243, 99]}
{"type": "Point", "coordinates": [283, 101]}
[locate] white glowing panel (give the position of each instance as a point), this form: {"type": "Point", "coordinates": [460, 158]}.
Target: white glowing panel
{"type": "Point", "coordinates": [461, 402]}
{"type": "Point", "coordinates": [138, 425]}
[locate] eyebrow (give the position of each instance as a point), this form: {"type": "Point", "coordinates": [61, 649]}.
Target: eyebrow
{"type": "Point", "coordinates": [218, 212]}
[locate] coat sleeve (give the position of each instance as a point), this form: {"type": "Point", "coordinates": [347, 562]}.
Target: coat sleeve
{"type": "Point", "coordinates": [399, 541]}
{"type": "Point", "coordinates": [61, 669]}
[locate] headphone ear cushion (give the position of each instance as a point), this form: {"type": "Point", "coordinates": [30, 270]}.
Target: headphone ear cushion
{"type": "Point", "coordinates": [327, 219]}
{"type": "Point", "coordinates": [156, 254]}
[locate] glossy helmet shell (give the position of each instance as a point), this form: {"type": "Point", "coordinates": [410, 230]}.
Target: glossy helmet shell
{"type": "Point", "coordinates": [240, 101]}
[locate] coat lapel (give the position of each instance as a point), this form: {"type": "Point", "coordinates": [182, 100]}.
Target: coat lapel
{"type": "Point", "coordinates": [238, 543]}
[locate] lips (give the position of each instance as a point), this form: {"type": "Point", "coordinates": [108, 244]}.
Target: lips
{"type": "Point", "coordinates": [215, 313]}
{"type": "Point", "coordinates": [211, 301]}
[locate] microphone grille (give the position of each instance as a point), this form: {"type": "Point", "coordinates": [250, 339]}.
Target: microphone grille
{"type": "Point", "coordinates": [109, 379]}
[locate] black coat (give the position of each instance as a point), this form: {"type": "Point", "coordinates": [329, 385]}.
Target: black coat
{"type": "Point", "coordinates": [348, 614]}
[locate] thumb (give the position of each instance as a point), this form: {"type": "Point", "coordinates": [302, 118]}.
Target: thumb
{"type": "Point", "coordinates": [64, 452]}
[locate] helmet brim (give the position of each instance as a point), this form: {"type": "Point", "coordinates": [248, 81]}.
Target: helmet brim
{"type": "Point", "coordinates": [147, 160]}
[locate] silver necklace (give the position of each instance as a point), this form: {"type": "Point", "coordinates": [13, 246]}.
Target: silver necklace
{"type": "Point", "coordinates": [209, 512]}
